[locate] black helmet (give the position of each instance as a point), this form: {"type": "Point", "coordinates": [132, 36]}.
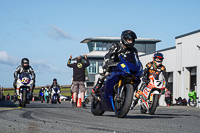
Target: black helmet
{"type": "Point", "coordinates": [25, 61]}
{"type": "Point", "coordinates": [128, 34]}
{"type": "Point", "coordinates": [54, 80]}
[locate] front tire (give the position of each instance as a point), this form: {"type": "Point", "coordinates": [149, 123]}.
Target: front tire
{"type": "Point", "coordinates": [143, 110]}
{"type": "Point", "coordinates": [153, 107]}
{"type": "Point", "coordinates": [95, 108]}
{"type": "Point", "coordinates": [47, 98]}
{"type": "Point", "coordinates": [42, 100]}
{"type": "Point", "coordinates": [24, 95]}
{"type": "Point", "coordinates": [86, 100]}
{"type": "Point", "coordinates": [123, 107]}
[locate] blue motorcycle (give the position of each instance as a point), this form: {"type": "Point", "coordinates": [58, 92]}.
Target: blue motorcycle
{"type": "Point", "coordinates": [116, 93]}
{"type": "Point", "coordinates": [55, 95]}
{"type": "Point", "coordinates": [42, 95]}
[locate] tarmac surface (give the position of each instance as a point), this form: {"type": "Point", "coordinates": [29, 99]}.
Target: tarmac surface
{"type": "Point", "coordinates": [39, 117]}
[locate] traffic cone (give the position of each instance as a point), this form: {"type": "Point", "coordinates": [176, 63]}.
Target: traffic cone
{"type": "Point", "coordinates": [78, 100]}
{"type": "Point", "coordinates": [33, 98]}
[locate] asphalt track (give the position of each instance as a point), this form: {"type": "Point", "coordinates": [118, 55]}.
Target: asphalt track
{"type": "Point", "coordinates": [40, 117]}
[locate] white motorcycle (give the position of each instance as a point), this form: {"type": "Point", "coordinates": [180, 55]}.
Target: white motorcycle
{"type": "Point", "coordinates": [151, 94]}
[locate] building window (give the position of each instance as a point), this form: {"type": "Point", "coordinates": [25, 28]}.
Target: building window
{"type": "Point", "coordinates": [94, 67]}
{"type": "Point", "coordinates": [101, 46]}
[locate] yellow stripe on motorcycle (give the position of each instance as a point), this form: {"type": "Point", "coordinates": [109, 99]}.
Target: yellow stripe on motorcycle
{"type": "Point", "coordinates": [151, 97]}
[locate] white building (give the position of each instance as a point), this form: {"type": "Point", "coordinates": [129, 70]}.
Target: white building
{"type": "Point", "coordinates": [182, 64]}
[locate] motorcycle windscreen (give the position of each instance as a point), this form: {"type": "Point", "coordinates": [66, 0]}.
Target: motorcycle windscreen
{"type": "Point", "coordinates": [158, 80]}
{"type": "Point", "coordinates": [25, 74]}
{"type": "Point", "coordinates": [134, 65]}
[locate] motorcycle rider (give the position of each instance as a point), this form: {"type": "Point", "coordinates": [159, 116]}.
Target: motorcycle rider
{"type": "Point", "coordinates": [24, 67]}
{"type": "Point", "coordinates": [124, 47]}
{"type": "Point", "coordinates": [154, 68]}
{"type": "Point", "coordinates": [47, 89]}
{"type": "Point", "coordinates": [55, 84]}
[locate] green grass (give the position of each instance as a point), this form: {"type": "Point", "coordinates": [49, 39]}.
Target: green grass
{"type": "Point", "coordinates": [11, 91]}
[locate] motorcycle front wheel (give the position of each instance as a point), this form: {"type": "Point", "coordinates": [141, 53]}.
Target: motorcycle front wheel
{"type": "Point", "coordinates": [47, 98]}
{"type": "Point", "coordinates": [86, 100]}
{"type": "Point", "coordinates": [153, 106]}
{"type": "Point", "coordinates": [143, 110]}
{"type": "Point", "coordinates": [95, 108]}
{"type": "Point", "coordinates": [122, 105]}
{"type": "Point", "coordinates": [23, 101]}
{"type": "Point", "coordinates": [41, 99]}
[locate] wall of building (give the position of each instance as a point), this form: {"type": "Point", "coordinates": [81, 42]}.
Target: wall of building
{"type": "Point", "coordinates": [181, 62]}
{"type": "Point", "coordinates": [187, 58]}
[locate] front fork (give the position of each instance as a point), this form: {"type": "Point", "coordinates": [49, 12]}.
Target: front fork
{"type": "Point", "coordinates": [27, 93]}
{"type": "Point", "coordinates": [120, 88]}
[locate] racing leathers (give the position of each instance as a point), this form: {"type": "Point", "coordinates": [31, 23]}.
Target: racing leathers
{"type": "Point", "coordinates": [112, 59]}
{"type": "Point", "coordinates": [17, 82]}
{"type": "Point", "coordinates": [53, 86]}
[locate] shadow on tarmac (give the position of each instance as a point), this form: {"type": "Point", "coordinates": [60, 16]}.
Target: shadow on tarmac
{"type": "Point", "coordinates": [7, 103]}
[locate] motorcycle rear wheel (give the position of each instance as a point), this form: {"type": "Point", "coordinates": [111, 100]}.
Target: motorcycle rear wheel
{"type": "Point", "coordinates": [123, 107]}
{"type": "Point", "coordinates": [153, 107]}
{"type": "Point", "coordinates": [95, 108]}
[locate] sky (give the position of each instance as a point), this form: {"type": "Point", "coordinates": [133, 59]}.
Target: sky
{"type": "Point", "coordinates": [47, 32]}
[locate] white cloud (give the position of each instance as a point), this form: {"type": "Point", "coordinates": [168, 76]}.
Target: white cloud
{"type": "Point", "coordinates": [42, 66]}
{"type": "Point", "coordinates": [7, 59]}
{"type": "Point", "coordinates": [58, 33]}
{"type": "Point", "coordinates": [39, 66]}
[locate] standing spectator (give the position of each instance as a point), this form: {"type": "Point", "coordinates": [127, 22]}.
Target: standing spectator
{"type": "Point", "coordinates": [78, 78]}
{"type": "Point", "coordinates": [167, 97]}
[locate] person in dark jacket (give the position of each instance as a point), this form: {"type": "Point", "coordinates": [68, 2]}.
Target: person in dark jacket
{"type": "Point", "coordinates": [126, 48]}
{"type": "Point", "coordinates": [78, 78]}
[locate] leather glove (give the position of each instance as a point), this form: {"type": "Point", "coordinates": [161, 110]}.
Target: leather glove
{"type": "Point", "coordinates": [145, 80]}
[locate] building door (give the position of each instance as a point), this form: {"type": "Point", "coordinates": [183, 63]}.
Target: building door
{"type": "Point", "coordinates": [193, 78]}
{"type": "Point", "coordinates": [170, 80]}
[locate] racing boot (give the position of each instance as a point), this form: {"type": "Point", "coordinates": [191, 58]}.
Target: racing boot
{"type": "Point", "coordinates": [138, 94]}
{"type": "Point", "coordinates": [73, 104]}
{"type": "Point", "coordinates": [95, 91]}
{"type": "Point", "coordinates": [134, 102]}
{"type": "Point", "coordinates": [83, 105]}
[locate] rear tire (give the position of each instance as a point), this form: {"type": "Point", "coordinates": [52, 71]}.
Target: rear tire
{"type": "Point", "coordinates": [125, 106]}
{"type": "Point", "coordinates": [95, 108]}
{"type": "Point", "coordinates": [152, 109]}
